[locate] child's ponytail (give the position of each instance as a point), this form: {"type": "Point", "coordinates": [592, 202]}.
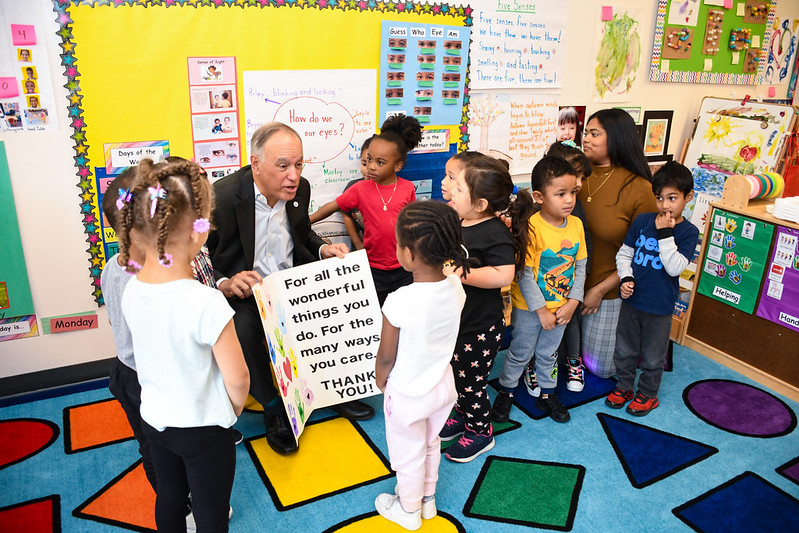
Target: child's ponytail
{"type": "Point", "coordinates": [404, 132]}
{"type": "Point", "coordinates": [520, 208]}
{"type": "Point", "coordinates": [163, 197]}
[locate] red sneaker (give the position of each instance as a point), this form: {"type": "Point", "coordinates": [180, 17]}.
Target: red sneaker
{"type": "Point", "coordinates": [618, 398]}
{"type": "Point", "coordinates": [641, 405]}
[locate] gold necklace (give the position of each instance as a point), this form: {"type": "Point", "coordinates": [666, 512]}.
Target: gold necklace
{"type": "Point", "coordinates": [590, 194]}
{"type": "Point", "coordinates": [385, 204]}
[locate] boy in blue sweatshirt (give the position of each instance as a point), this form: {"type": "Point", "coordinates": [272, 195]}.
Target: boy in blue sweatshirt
{"type": "Point", "coordinates": [656, 250]}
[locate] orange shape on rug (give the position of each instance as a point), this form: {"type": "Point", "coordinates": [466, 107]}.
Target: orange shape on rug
{"type": "Point", "coordinates": [95, 424]}
{"type": "Point", "coordinates": [129, 500]}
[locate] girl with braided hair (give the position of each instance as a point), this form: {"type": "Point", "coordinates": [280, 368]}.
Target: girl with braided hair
{"type": "Point", "coordinates": [420, 325]}
{"type": "Point", "coordinates": [193, 377]}
{"type": "Point", "coordinates": [481, 191]}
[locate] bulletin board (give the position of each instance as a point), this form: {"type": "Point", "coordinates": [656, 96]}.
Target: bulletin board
{"type": "Point", "coordinates": [698, 41]}
{"type": "Point", "coordinates": [126, 87]}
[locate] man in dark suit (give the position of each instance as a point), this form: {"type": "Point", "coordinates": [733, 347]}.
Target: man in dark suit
{"type": "Point", "coordinates": [262, 226]}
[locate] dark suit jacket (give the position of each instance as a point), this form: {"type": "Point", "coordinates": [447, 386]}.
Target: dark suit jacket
{"type": "Point", "coordinates": [232, 242]}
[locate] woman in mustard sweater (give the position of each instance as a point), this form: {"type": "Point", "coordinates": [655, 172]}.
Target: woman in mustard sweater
{"type": "Point", "coordinates": [618, 190]}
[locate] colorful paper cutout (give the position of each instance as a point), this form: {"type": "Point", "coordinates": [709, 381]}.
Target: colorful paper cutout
{"type": "Point", "coordinates": [23, 34]}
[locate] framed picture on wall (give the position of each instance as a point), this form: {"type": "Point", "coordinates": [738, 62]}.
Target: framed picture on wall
{"type": "Point", "coordinates": [655, 132]}
{"type": "Point", "coordinates": [634, 112]}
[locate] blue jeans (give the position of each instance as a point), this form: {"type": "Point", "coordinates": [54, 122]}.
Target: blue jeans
{"type": "Point", "coordinates": [530, 338]}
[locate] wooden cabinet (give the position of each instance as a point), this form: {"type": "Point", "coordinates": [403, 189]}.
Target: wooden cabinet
{"type": "Point", "coordinates": [753, 346]}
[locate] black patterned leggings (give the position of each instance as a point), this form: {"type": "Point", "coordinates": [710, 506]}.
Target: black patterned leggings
{"type": "Point", "coordinates": [471, 364]}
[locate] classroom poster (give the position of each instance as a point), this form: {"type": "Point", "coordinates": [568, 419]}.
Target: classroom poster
{"type": "Point", "coordinates": [735, 259]}
{"type": "Point", "coordinates": [423, 71]}
{"type": "Point", "coordinates": [27, 101]}
{"type": "Point", "coordinates": [779, 301]}
{"type": "Point", "coordinates": [520, 126]}
{"type": "Point", "coordinates": [17, 318]}
{"type": "Point", "coordinates": [618, 54]}
{"type": "Point", "coordinates": [518, 46]}
{"type": "Point", "coordinates": [322, 323]}
{"type": "Point", "coordinates": [214, 115]}
{"type": "Point", "coordinates": [332, 110]}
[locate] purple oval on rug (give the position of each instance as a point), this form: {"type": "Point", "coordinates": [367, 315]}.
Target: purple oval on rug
{"type": "Point", "coordinates": [739, 408]}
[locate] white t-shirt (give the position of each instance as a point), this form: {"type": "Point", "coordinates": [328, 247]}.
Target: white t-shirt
{"type": "Point", "coordinates": [428, 316]}
{"type": "Point", "coordinates": [174, 325]}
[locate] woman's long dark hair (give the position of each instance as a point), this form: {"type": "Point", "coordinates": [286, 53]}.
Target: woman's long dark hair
{"type": "Point", "coordinates": [624, 145]}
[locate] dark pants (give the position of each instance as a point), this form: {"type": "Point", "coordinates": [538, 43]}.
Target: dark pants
{"type": "Point", "coordinates": [471, 364]}
{"type": "Point", "coordinates": [388, 281]}
{"type": "Point", "coordinates": [645, 337]}
{"type": "Point", "coordinates": [123, 382]}
{"type": "Point", "coordinates": [250, 331]}
{"type": "Point", "coordinates": [570, 346]}
{"type": "Point", "coordinates": [200, 460]}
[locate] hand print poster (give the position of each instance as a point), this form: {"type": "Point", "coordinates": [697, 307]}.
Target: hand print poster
{"type": "Point", "coordinates": [735, 259]}
{"type": "Point", "coordinates": [322, 322]}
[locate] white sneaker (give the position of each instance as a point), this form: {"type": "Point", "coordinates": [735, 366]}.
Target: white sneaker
{"type": "Point", "coordinates": [390, 508]}
{"type": "Point", "coordinates": [191, 525]}
{"type": "Point", "coordinates": [428, 507]}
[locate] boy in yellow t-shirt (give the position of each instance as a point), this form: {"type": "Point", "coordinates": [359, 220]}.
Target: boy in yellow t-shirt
{"type": "Point", "coordinates": [550, 290]}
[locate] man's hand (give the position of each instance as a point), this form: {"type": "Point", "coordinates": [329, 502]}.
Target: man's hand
{"type": "Point", "coordinates": [338, 249]}
{"type": "Point", "coordinates": [240, 284]}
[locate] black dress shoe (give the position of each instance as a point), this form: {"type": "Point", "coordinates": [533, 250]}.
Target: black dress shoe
{"type": "Point", "coordinates": [278, 434]}
{"type": "Point", "coordinates": [354, 410]}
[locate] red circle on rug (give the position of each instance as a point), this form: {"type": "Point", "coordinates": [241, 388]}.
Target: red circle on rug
{"type": "Point", "coordinates": [22, 437]}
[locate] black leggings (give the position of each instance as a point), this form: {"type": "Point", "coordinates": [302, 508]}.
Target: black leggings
{"type": "Point", "coordinates": [200, 460]}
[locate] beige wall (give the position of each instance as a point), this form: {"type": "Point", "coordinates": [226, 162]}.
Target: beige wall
{"type": "Point", "coordinates": [44, 183]}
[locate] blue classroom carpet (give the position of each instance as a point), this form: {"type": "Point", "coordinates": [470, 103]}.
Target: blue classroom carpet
{"type": "Point", "coordinates": [67, 464]}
